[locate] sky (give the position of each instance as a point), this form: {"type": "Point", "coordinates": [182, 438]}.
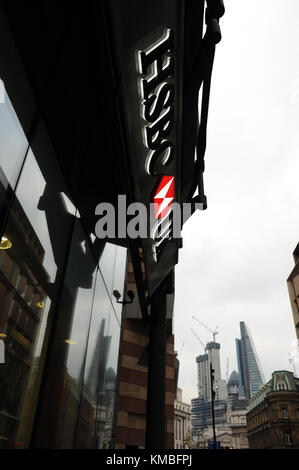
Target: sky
{"type": "Point", "coordinates": [237, 254]}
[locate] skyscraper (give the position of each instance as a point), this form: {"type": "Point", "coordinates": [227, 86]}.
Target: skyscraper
{"type": "Point", "coordinates": [212, 356]}
{"type": "Point", "coordinates": [201, 407]}
{"type": "Point", "coordinates": [250, 372]}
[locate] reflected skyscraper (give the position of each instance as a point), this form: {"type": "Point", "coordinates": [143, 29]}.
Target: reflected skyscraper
{"type": "Point", "coordinates": [250, 372]}
{"type": "Point", "coordinates": [99, 362]}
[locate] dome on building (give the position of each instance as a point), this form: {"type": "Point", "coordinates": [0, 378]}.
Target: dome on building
{"type": "Point", "coordinates": [234, 378]}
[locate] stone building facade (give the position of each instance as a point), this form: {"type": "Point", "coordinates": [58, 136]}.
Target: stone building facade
{"type": "Point", "coordinates": [236, 420]}
{"type": "Point", "coordinates": [273, 416]}
{"type": "Point", "coordinates": [182, 422]}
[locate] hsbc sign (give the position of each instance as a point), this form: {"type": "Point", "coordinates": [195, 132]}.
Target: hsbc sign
{"type": "Point", "coordinates": [150, 71]}
{"type": "Point", "coordinates": [157, 95]}
{"type": "Point", "coordinates": [156, 67]}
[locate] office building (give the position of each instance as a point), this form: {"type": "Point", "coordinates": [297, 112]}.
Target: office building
{"type": "Point", "coordinates": [204, 361]}
{"type": "Point", "coordinates": [201, 407]}
{"type": "Point", "coordinates": [273, 414]}
{"type": "Point", "coordinates": [182, 422]}
{"type": "Point", "coordinates": [250, 371]}
{"type": "Point", "coordinates": [236, 420]}
{"type": "Point", "coordinates": [75, 105]}
{"type": "Point", "coordinates": [201, 414]}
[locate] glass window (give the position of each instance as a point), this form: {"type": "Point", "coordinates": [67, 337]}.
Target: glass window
{"type": "Point", "coordinates": [13, 148]}
{"type": "Point", "coordinates": [113, 264]}
{"type": "Point", "coordinates": [61, 401]}
{"type": "Point", "coordinates": [284, 413]}
{"type": "Point", "coordinates": [28, 270]}
{"type": "Point", "coordinates": [78, 403]}
{"type": "Point", "coordinates": [58, 318]}
{"type": "Point", "coordinates": [108, 399]}
{"type": "Point", "coordinates": [90, 415]}
{"type": "Point", "coordinates": [281, 386]}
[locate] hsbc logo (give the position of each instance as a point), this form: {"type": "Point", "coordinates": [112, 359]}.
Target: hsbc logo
{"type": "Point", "coordinates": [162, 201]}
{"type": "Point", "coordinates": [164, 196]}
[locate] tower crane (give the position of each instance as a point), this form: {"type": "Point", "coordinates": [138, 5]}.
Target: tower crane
{"type": "Point", "coordinates": [197, 337]}
{"type": "Point", "coordinates": [214, 333]}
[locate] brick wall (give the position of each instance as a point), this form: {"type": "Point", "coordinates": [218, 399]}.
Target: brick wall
{"type": "Point", "coordinates": [131, 415]}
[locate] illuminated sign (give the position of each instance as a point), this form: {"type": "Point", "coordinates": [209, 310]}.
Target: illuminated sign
{"type": "Point", "coordinates": [164, 196]}
{"type": "Point", "coordinates": [148, 45]}
{"type": "Point", "coordinates": [157, 93]}
{"type": "Point", "coordinates": [163, 229]}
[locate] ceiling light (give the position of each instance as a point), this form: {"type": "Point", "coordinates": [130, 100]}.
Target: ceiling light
{"type": "Point", "coordinates": [69, 341]}
{"type": "Point", "coordinates": [5, 244]}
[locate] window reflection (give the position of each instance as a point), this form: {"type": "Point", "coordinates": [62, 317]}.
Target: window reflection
{"type": "Point", "coordinates": [13, 148]}
{"type": "Point", "coordinates": [107, 400]}
{"type": "Point", "coordinates": [96, 359]}
{"type": "Point", "coordinates": [28, 273]}
{"type": "Point", "coordinates": [13, 142]}
{"type": "Point", "coordinates": [24, 306]}
{"type": "Point", "coordinates": [84, 361]}
{"type": "Point", "coordinates": [95, 420]}
{"type": "Point", "coordinates": [66, 370]}
{"type": "Point", "coordinates": [113, 265]}
{"type": "Point", "coordinates": [58, 318]}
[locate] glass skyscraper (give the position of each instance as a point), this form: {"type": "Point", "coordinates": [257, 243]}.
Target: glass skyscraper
{"type": "Point", "coordinates": [250, 372]}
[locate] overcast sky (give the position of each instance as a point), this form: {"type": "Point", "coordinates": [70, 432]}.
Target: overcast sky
{"type": "Point", "coordinates": [237, 254]}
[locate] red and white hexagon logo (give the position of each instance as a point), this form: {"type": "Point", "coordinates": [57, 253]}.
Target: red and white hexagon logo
{"type": "Point", "coordinates": [163, 196]}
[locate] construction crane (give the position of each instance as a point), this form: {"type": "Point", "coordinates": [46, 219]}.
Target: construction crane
{"type": "Point", "coordinates": [197, 337]}
{"type": "Point", "coordinates": [214, 333]}
{"type": "Point", "coordinates": [182, 347]}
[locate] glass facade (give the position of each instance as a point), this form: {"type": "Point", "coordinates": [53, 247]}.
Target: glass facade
{"type": "Point", "coordinates": [58, 319]}
{"type": "Point", "coordinates": [250, 372]}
